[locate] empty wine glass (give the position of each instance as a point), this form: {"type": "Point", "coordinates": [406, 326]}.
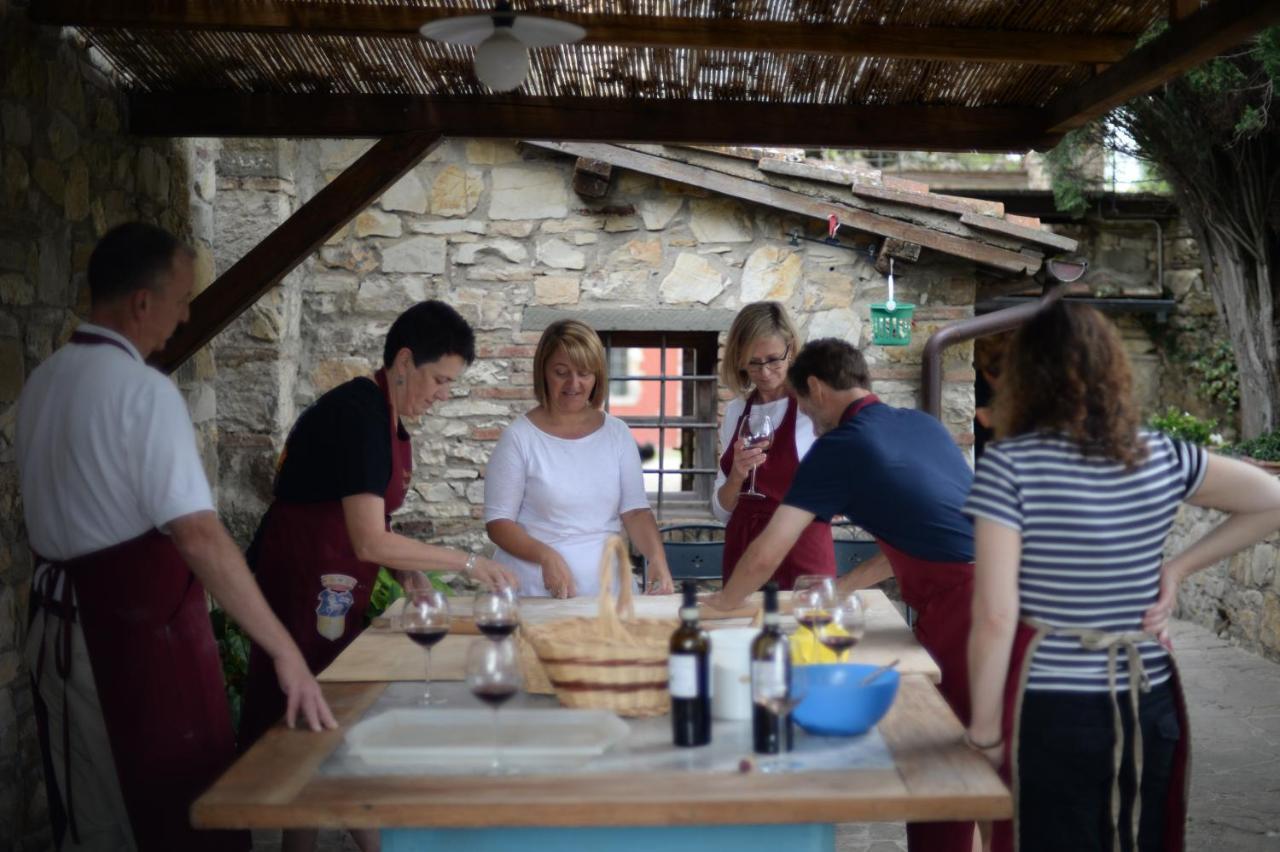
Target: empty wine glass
{"type": "Point", "coordinates": [493, 676]}
{"type": "Point", "coordinates": [756, 431]}
{"type": "Point", "coordinates": [425, 620]}
{"type": "Point", "coordinates": [496, 614]}
{"type": "Point", "coordinates": [846, 626]}
{"type": "Point", "coordinates": [811, 599]}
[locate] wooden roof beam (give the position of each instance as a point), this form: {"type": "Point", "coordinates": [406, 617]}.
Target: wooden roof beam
{"type": "Point", "coordinates": [1189, 41]}
{"type": "Point", "coordinates": [693, 33]}
{"type": "Point", "coordinates": [293, 241]}
{"type": "Point", "coordinates": [590, 119]}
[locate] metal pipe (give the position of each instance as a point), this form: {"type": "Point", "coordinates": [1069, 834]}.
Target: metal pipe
{"type": "Point", "coordinates": [969, 329]}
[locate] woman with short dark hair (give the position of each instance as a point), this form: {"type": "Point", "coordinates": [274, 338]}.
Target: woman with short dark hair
{"type": "Point", "coordinates": [1072, 506]}
{"type": "Point", "coordinates": [346, 467]}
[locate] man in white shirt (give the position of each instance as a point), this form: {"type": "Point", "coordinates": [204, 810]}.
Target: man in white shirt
{"type": "Point", "coordinates": [128, 685]}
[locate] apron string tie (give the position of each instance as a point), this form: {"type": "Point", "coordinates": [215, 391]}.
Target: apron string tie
{"type": "Point", "coordinates": [63, 607]}
{"type": "Point", "coordinates": [1139, 684]}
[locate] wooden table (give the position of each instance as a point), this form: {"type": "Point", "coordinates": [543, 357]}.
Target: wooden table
{"type": "Point", "coordinates": [277, 785]}
{"type": "Point", "coordinates": [379, 654]}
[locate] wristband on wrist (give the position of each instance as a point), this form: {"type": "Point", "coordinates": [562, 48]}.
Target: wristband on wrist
{"type": "Point", "coordinates": [977, 746]}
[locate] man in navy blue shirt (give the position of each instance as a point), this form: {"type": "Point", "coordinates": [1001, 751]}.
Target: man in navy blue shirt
{"type": "Point", "coordinates": [898, 474]}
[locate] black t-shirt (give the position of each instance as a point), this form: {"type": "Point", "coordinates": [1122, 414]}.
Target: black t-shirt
{"type": "Point", "coordinates": [341, 445]}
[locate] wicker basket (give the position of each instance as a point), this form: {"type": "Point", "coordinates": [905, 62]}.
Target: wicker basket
{"type": "Point", "coordinates": [612, 662]}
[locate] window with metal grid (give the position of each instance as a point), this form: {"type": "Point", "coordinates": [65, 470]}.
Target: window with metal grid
{"type": "Point", "coordinates": [667, 395]}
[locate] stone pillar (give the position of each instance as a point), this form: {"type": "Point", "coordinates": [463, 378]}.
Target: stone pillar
{"type": "Point", "coordinates": [257, 355]}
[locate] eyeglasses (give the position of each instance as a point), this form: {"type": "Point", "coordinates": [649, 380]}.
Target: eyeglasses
{"type": "Point", "coordinates": [768, 363]}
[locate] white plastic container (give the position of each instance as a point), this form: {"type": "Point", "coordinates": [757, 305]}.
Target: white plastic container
{"type": "Point", "coordinates": [731, 672]}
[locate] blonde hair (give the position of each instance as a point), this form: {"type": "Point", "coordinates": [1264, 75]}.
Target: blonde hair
{"type": "Point", "coordinates": [754, 322]}
{"type": "Point", "coordinates": [585, 351]}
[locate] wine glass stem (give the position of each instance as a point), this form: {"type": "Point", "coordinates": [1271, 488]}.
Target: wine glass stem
{"type": "Point", "coordinates": [497, 743]}
{"type": "Point", "coordinates": [752, 488]}
{"type": "Point", "coordinates": [426, 679]}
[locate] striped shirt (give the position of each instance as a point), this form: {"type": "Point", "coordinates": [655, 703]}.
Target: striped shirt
{"type": "Point", "coordinates": [1092, 543]}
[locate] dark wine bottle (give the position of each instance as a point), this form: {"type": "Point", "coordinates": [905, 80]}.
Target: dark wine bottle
{"type": "Point", "coordinates": [770, 681]}
{"type": "Point", "coordinates": [690, 675]}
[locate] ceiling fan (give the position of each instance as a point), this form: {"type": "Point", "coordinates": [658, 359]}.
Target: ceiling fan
{"type": "Point", "coordinates": [502, 41]}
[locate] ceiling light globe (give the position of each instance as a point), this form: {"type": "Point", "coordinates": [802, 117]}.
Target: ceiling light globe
{"type": "Point", "coordinates": [502, 62]}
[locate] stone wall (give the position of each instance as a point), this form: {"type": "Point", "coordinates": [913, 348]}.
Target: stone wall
{"type": "Point", "coordinates": [1239, 598]}
{"type": "Point", "coordinates": [495, 229]}
{"type": "Point", "coordinates": [1166, 354]}
{"type": "Point", "coordinates": [67, 174]}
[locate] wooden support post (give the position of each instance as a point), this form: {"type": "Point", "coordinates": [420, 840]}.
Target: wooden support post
{"type": "Point", "coordinates": [296, 238]}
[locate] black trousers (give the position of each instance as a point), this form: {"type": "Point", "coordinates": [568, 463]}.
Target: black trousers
{"type": "Point", "coordinates": [1064, 770]}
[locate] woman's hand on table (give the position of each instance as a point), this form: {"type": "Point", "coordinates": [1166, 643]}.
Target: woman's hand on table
{"type": "Point", "coordinates": [556, 575]}
{"type": "Point", "coordinates": [493, 575]}
{"type": "Point", "coordinates": [660, 583]}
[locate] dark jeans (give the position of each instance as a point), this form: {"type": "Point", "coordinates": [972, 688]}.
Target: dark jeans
{"type": "Point", "coordinates": [1064, 768]}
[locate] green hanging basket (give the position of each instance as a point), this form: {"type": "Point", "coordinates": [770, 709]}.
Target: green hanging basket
{"type": "Point", "coordinates": [891, 327]}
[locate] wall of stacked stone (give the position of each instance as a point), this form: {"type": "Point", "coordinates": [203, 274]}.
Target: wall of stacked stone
{"type": "Point", "coordinates": [1239, 598]}
{"type": "Point", "coordinates": [67, 174]}
{"type": "Point", "coordinates": [494, 229]}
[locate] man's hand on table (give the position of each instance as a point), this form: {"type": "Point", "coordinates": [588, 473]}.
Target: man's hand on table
{"type": "Point", "coordinates": [303, 694]}
{"type": "Point", "coordinates": [717, 601]}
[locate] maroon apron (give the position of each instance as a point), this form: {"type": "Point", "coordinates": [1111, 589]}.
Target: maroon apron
{"type": "Point", "coordinates": [1005, 833]}
{"type": "Point", "coordinates": [941, 593]}
{"type": "Point", "coordinates": [313, 580]}
{"type": "Point", "coordinates": [159, 679]}
{"type": "Point", "coordinates": [813, 552]}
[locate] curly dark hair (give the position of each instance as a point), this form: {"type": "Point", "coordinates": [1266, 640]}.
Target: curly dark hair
{"type": "Point", "coordinates": [1066, 371]}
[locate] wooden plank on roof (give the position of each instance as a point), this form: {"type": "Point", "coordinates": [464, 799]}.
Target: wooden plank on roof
{"type": "Point", "coordinates": [587, 119]}
{"type": "Point", "coordinates": [825, 172]}
{"type": "Point", "coordinates": [630, 30]}
{"type": "Point", "coordinates": [1021, 232]}
{"type": "Point", "coordinates": [794, 202]}
{"type": "Point", "coordinates": [1187, 43]}
{"type": "Point", "coordinates": [933, 201]}
{"type": "Point", "coordinates": [297, 237]}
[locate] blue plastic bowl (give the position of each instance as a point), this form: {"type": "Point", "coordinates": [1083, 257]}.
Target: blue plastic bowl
{"type": "Point", "coordinates": [835, 703]}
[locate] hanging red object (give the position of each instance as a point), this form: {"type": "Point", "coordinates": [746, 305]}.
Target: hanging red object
{"type": "Point", "coordinates": [833, 225]}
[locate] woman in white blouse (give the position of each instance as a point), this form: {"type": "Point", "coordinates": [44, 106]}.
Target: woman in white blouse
{"type": "Point", "coordinates": [566, 476]}
{"type": "Point", "coordinates": [761, 343]}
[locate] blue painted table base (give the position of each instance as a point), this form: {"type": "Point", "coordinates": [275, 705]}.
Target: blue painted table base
{"type": "Point", "coordinates": [808, 837]}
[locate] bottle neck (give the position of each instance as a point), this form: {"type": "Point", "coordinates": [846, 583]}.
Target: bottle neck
{"type": "Point", "coordinates": [689, 616]}
{"type": "Point", "coordinates": [772, 621]}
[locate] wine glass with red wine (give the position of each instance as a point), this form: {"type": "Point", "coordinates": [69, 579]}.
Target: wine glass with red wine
{"type": "Point", "coordinates": [756, 431]}
{"type": "Point", "coordinates": [496, 614]}
{"type": "Point", "coordinates": [425, 620]}
{"type": "Point", "coordinates": [493, 676]}
{"type": "Point", "coordinates": [812, 596]}
{"type": "Point", "coordinates": [845, 628]}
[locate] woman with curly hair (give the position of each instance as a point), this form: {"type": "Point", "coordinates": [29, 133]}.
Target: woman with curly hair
{"type": "Point", "coordinates": [1072, 505]}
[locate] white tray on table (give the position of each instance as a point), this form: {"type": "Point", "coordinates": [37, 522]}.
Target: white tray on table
{"type": "Point", "coordinates": [456, 738]}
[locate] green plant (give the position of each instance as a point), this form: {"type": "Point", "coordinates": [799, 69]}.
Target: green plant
{"type": "Point", "coordinates": [1184, 426]}
{"type": "Point", "coordinates": [1219, 379]}
{"type": "Point", "coordinates": [1265, 447]}
{"type": "Point", "coordinates": [233, 648]}
{"type": "Point", "coordinates": [387, 589]}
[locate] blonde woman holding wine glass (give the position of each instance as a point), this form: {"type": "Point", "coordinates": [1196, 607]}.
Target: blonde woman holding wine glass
{"type": "Point", "coordinates": [764, 435]}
